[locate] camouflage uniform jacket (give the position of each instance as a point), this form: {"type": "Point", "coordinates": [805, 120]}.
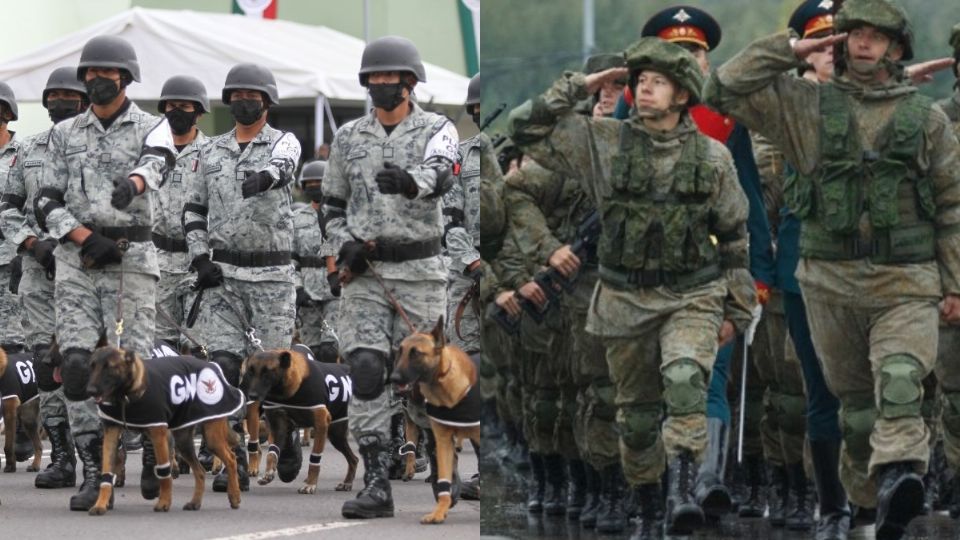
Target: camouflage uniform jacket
{"type": "Point", "coordinates": [307, 242]}
{"type": "Point", "coordinates": [550, 132]}
{"type": "Point", "coordinates": [951, 106]}
{"type": "Point", "coordinates": [9, 156]}
{"type": "Point", "coordinates": [21, 191]}
{"type": "Point", "coordinates": [83, 161]}
{"type": "Point", "coordinates": [168, 203]}
{"type": "Point", "coordinates": [756, 89]}
{"type": "Point", "coordinates": [770, 164]}
{"type": "Point", "coordinates": [461, 207]}
{"type": "Point", "coordinates": [218, 217]}
{"type": "Point", "coordinates": [492, 218]}
{"type": "Point", "coordinates": [425, 145]}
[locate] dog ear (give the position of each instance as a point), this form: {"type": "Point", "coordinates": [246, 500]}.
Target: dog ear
{"type": "Point", "coordinates": [285, 360]}
{"type": "Point", "coordinates": [129, 356]}
{"type": "Point", "coordinates": [438, 338]}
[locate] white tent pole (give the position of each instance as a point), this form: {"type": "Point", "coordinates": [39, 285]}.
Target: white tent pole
{"type": "Point", "coordinates": [318, 110]}
{"type": "Point", "coordinates": [330, 118]}
{"type": "Point", "coordinates": [366, 39]}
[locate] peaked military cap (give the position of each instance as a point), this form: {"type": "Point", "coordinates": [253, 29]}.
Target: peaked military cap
{"type": "Point", "coordinates": [684, 24]}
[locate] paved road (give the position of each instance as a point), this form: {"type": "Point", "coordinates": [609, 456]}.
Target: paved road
{"type": "Point", "coordinates": [271, 511]}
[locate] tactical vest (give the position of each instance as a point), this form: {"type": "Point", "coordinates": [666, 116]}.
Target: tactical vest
{"type": "Point", "coordinates": [888, 184]}
{"type": "Point", "coordinates": [648, 232]}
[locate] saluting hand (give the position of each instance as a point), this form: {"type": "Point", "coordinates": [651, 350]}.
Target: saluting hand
{"type": "Point", "coordinates": [803, 47]}
{"type": "Point", "coordinates": [596, 80]}
{"type": "Point", "coordinates": [923, 71]}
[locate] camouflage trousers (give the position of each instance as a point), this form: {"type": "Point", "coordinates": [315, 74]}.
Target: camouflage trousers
{"type": "Point", "coordinates": [468, 337]}
{"type": "Point", "coordinates": [874, 361]}
{"type": "Point", "coordinates": [319, 323]}
{"type": "Point", "coordinates": [368, 320]}
{"type": "Point", "coordinates": [595, 421]}
{"type": "Point", "coordinates": [268, 306]}
{"type": "Point", "coordinates": [174, 297]}
{"type": "Point", "coordinates": [539, 381]}
{"type": "Point", "coordinates": [36, 304]}
{"type": "Point", "coordinates": [501, 372]}
{"type": "Point", "coordinates": [948, 376]}
{"type": "Point", "coordinates": [10, 313]}
{"type": "Point", "coordinates": [55, 408]}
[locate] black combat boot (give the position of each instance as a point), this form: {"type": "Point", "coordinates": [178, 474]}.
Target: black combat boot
{"type": "Point", "coordinates": [591, 504]}
{"type": "Point", "coordinates": [62, 470]}
{"type": "Point", "coordinates": [754, 503]}
{"type": "Point", "coordinates": [611, 514]}
{"type": "Point", "coordinates": [536, 484]}
{"type": "Point", "coordinates": [799, 514]}
{"type": "Point", "coordinates": [778, 494]}
{"type": "Point", "coordinates": [204, 455]}
{"type": "Point", "coordinates": [221, 479]}
{"type": "Point", "coordinates": [90, 449]}
{"type": "Point", "coordinates": [954, 506]}
{"type": "Point", "coordinates": [375, 499]}
{"type": "Point", "coordinates": [149, 483]}
{"type": "Point", "coordinates": [835, 513]}
{"type": "Point", "coordinates": [650, 503]}
{"type": "Point", "coordinates": [23, 447]}
{"type": "Point", "coordinates": [931, 482]}
{"type": "Point", "coordinates": [683, 514]}
{"type": "Point", "coordinates": [133, 440]}
{"type": "Point", "coordinates": [576, 488]}
{"type": "Point", "coordinates": [397, 462]}
{"type": "Point", "coordinates": [710, 491]}
{"type": "Point", "coordinates": [899, 499]}
{"type": "Point", "coordinates": [290, 459]}
{"type": "Point", "coordinates": [555, 496]}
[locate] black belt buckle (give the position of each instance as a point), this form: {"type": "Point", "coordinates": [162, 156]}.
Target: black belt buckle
{"type": "Point", "coordinates": [649, 278]}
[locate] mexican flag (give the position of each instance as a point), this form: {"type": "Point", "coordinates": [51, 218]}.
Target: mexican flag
{"type": "Point", "coordinates": [266, 9]}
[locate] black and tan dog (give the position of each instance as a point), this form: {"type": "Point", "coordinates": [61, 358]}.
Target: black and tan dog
{"type": "Point", "coordinates": [447, 379]}
{"type": "Point", "coordinates": [299, 392]}
{"type": "Point", "coordinates": [20, 404]}
{"type": "Point", "coordinates": [159, 396]}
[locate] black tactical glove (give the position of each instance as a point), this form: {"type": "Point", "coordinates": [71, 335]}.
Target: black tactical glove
{"type": "Point", "coordinates": [353, 255]}
{"type": "Point", "coordinates": [303, 299]}
{"type": "Point", "coordinates": [16, 272]}
{"type": "Point", "coordinates": [333, 279]}
{"type": "Point", "coordinates": [209, 273]}
{"type": "Point", "coordinates": [97, 251]}
{"type": "Point", "coordinates": [392, 180]}
{"type": "Point", "coordinates": [124, 190]}
{"type": "Point", "coordinates": [476, 274]}
{"type": "Point", "coordinates": [42, 252]}
{"type": "Point", "coordinates": [256, 182]}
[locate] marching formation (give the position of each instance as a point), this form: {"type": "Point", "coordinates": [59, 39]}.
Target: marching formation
{"type": "Point", "coordinates": [163, 280]}
{"type": "Point", "coordinates": [729, 290]}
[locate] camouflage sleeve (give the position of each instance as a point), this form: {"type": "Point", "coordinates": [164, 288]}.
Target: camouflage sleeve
{"type": "Point", "coordinates": [157, 156]}
{"type": "Point", "coordinates": [489, 283]}
{"type": "Point", "coordinates": [284, 157]}
{"type": "Point", "coordinates": [941, 154]}
{"type": "Point", "coordinates": [770, 166]}
{"type": "Point", "coordinates": [459, 242]}
{"type": "Point", "coordinates": [56, 174]}
{"type": "Point", "coordinates": [511, 264]}
{"type": "Point", "coordinates": [194, 216]}
{"type": "Point", "coordinates": [438, 158]}
{"type": "Point", "coordinates": [336, 193]}
{"type": "Point", "coordinates": [492, 214]}
{"type": "Point", "coordinates": [13, 222]}
{"type": "Point", "coordinates": [525, 197]}
{"type": "Point", "coordinates": [755, 88]}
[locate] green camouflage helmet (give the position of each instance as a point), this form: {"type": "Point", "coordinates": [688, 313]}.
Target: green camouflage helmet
{"type": "Point", "coordinates": [881, 14]}
{"type": "Point", "coordinates": [602, 62]}
{"type": "Point", "coordinates": [955, 39]}
{"type": "Point", "coordinates": [668, 58]}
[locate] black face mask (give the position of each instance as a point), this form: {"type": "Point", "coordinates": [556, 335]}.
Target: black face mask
{"type": "Point", "coordinates": [61, 109]}
{"type": "Point", "coordinates": [386, 96]}
{"type": "Point", "coordinates": [181, 121]}
{"type": "Point", "coordinates": [102, 90]}
{"type": "Point", "coordinates": [476, 117]}
{"type": "Point", "coordinates": [246, 111]}
{"type": "Point", "coordinates": [314, 193]}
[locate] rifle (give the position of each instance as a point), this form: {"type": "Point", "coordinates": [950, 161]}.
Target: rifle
{"type": "Point", "coordinates": [492, 116]}
{"type": "Point", "coordinates": [508, 153]}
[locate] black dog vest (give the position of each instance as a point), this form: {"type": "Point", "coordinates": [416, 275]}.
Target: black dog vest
{"type": "Point", "coordinates": [19, 379]}
{"type": "Point", "coordinates": [327, 385]}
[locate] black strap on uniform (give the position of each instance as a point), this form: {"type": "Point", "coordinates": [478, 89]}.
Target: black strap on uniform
{"type": "Point", "coordinates": [56, 200]}
{"type": "Point", "coordinates": [310, 261]}
{"type": "Point", "coordinates": [12, 200]}
{"type": "Point", "coordinates": [198, 209]}
{"type": "Point", "coordinates": [172, 245]}
{"type": "Point", "coordinates": [407, 251]}
{"type": "Point", "coordinates": [251, 259]}
{"type": "Point", "coordinates": [138, 233]}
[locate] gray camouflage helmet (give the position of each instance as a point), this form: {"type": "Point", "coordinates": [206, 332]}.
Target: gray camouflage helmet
{"type": "Point", "coordinates": [602, 62]}
{"type": "Point", "coordinates": [63, 78]}
{"type": "Point", "coordinates": [391, 53]}
{"type": "Point", "coordinates": [109, 52]}
{"type": "Point", "coordinates": [7, 97]}
{"type": "Point", "coordinates": [186, 88]}
{"type": "Point", "coordinates": [251, 77]}
{"type": "Point", "coordinates": [881, 14]}
{"type": "Point", "coordinates": [668, 58]}
{"type": "Point", "coordinates": [313, 171]}
{"type": "Point", "coordinates": [473, 91]}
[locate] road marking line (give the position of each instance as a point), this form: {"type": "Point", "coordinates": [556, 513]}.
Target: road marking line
{"type": "Point", "coordinates": [292, 531]}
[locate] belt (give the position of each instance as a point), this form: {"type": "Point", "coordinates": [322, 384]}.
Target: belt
{"type": "Point", "coordinates": [634, 279]}
{"type": "Point", "coordinates": [173, 245]}
{"type": "Point", "coordinates": [309, 261]}
{"type": "Point", "coordinates": [247, 259]}
{"type": "Point", "coordinates": [408, 251]}
{"type": "Point", "coordinates": [137, 233]}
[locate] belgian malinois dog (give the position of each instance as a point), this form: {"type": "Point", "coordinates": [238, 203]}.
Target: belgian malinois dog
{"type": "Point", "coordinates": [445, 376]}
{"type": "Point", "coordinates": [122, 377]}
{"type": "Point", "coordinates": [19, 403]}
{"type": "Point", "coordinates": [297, 393]}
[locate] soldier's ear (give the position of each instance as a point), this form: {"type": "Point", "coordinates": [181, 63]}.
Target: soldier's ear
{"type": "Point", "coordinates": [284, 360]}
{"type": "Point", "coordinates": [439, 339]}
{"type": "Point", "coordinates": [129, 356]}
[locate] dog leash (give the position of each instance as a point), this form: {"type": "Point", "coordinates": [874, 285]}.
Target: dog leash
{"type": "Point", "coordinates": [473, 294]}
{"type": "Point", "coordinates": [123, 245]}
{"type": "Point", "coordinates": [392, 299]}
{"type": "Point", "coordinates": [250, 332]}
{"type": "Point", "coordinates": [166, 316]}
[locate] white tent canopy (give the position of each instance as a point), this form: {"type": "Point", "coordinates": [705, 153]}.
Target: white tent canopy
{"type": "Point", "coordinates": [307, 61]}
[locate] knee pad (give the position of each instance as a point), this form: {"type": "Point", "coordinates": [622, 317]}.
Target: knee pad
{"type": "Point", "coordinates": [685, 388]}
{"type": "Point", "coordinates": [792, 413]}
{"type": "Point", "coordinates": [368, 369]}
{"type": "Point", "coordinates": [951, 413]}
{"type": "Point", "coordinates": [856, 420]}
{"type": "Point", "coordinates": [43, 368]}
{"type": "Point", "coordinates": [640, 425]}
{"type": "Point", "coordinates": [604, 406]}
{"type": "Point", "coordinates": [327, 352]}
{"type": "Point", "coordinates": [230, 364]}
{"type": "Point", "coordinates": [546, 407]}
{"type": "Point", "coordinates": [75, 373]}
{"type": "Point", "coordinates": [901, 386]}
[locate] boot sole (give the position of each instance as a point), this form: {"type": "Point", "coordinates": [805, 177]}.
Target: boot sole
{"type": "Point", "coordinates": [906, 503]}
{"type": "Point", "coordinates": [363, 514]}
{"type": "Point", "coordinates": [686, 519]}
{"type": "Point", "coordinates": [52, 485]}
{"type": "Point", "coordinates": [716, 504]}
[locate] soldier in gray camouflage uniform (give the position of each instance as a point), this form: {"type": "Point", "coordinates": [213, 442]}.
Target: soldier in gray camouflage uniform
{"type": "Point", "coordinates": [11, 337]}
{"type": "Point", "coordinates": [64, 97]}
{"type": "Point", "coordinates": [318, 291]}
{"type": "Point", "coordinates": [382, 188]}
{"type": "Point", "coordinates": [243, 200]}
{"type": "Point", "coordinates": [99, 164]}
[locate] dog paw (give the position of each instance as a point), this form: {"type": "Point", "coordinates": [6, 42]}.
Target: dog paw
{"type": "Point", "coordinates": [10, 467]}
{"type": "Point", "coordinates": [192, 506]}
{"type": "Point", "coordinates": [307, 489]}
{"type": "Point", "coordinates": [33, 468]}
{"type": "Point", "coordinates": [433, 518]}
{"type": "Point", "coordinates": [408, 477]}
{"type": "Point", "coordinates": [97, 510]}
{"type": "Point", "coordinates": [344, 486]}
{"type": "Point", "coordinates": [266, 479]}
{"type": "Point", "coordinates": [234, 502]}
{"type": "Point", "coordinates": [161, 507]}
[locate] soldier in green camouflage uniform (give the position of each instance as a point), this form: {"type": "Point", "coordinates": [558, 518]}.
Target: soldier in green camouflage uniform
{"type": "Point", "coordinates": [876, 261]}
{"type": "Point", "coordinates": [10, 313]}
{"type": "Point", "coordinates": [666, 291]}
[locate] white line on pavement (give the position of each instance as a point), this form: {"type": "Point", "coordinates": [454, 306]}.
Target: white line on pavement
{"type": "Point", "coordinates": [292, 531]}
